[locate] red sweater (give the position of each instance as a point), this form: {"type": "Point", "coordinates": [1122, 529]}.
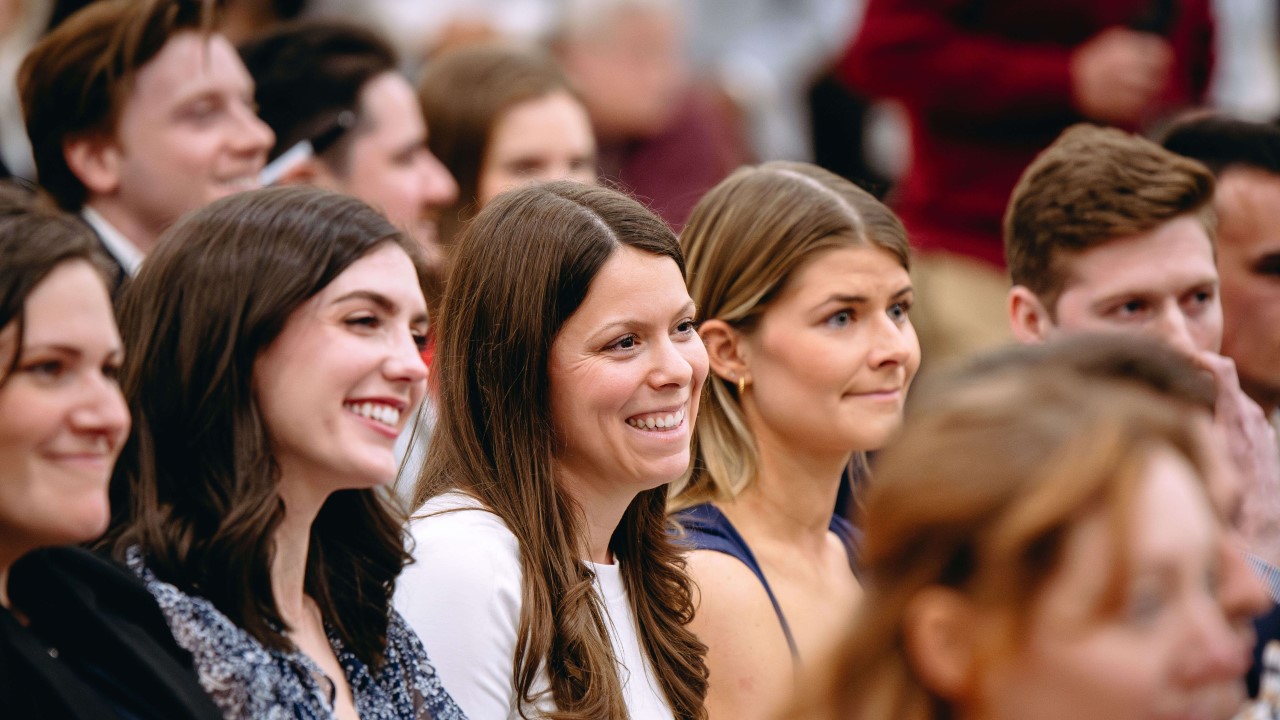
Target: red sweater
{"type": "Point", "coordinates": [986, 84]}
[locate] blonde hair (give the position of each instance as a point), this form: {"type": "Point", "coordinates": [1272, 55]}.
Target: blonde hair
{"type": "Point", "coordinates": [744, 241]}
{"type": "Point", "coordinates": [979, 494]}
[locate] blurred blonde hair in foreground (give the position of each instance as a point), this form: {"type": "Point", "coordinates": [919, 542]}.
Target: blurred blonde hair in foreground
{"type": "Point", "coordinates": [998, 462]}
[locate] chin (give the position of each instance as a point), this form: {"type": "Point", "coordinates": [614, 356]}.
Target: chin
{"type": "Point", "coordinates": [87, 524]}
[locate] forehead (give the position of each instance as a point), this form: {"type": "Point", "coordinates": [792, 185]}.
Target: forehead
{"type": "Point", "coordinates": [632, 285]}
{"type": "Point", "coordinates": [1248, 204]}
{"type": "Point", "coordinates": [385, 270]}
{"type": "Point", "coordinates": [848, 269]}
{"type": "Point", "coordinates": [70, 306]}
{"type": "Point", "coordinates": [390, 110]}
{"type": "Point", "coordinates": [538, 121]}
{"type": "Point", "coordinates": [1168, 259]}
{"type": "Point", "coordinates": [189, 64]}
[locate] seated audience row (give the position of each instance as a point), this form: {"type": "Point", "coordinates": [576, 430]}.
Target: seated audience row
{"type": "Point", "coordinates": [583, 545]}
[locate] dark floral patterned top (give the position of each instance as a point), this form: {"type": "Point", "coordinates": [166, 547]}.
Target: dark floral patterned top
{"type": "Point", "coordinates": [247, 680]}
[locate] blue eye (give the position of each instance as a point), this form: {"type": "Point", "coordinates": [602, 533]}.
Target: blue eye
{"type": "Point", "coordinates": [1145, 606]}
{"type": "Point", "coordinates": [1131, 308]}
{"type": "Point", "coordinates": [842, 318]}
{"type": "Point", "coordinates": [898, 311]}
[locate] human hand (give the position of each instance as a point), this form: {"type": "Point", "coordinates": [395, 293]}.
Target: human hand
{"type": "Point", "coordinates": [1118, 72]}
{"type": "Point", "coordinates": [1252, 446]}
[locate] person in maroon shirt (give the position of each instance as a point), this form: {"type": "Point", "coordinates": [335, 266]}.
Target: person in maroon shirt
{"type": "Point", "coordinates": [986, 84]}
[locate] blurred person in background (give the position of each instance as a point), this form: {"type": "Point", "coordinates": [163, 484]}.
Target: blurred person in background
{"type": "Point", "coordinates": [1245, 158]}
{"type": "Point", "coordinates": [660, 137]}
{"type": "Point", "coordinates": [335, 87]}
{"type": "Point", "coordinates": [137, 114]}
{"type": "Point", "coordinates": [986, 85]}
{"type": "Point", "coordinates": [80, 638]}
{"type": "Point", "coordinates": [502, 117]}
{"type": "Point", "coordinates": [802, 279]}
{"type": "Point", "coordinates": [763, 55]}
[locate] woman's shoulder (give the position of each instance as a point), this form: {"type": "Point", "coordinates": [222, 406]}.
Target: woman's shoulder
{"type": "Point", "coordinates": [456, 522]}
{"type": "Point", "coordinates": [241, 675]}
{"type": "Point", "coordinates": [705, 527]}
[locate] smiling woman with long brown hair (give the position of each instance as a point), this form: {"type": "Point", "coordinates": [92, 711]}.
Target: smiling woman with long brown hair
{"type": "Point", "coordinates": [546, 581]}
{"type": "Point", "coordinates": [275, 341]}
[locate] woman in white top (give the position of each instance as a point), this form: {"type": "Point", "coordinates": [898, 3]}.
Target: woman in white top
{"type": "Point", "coordinates": [546, 583]}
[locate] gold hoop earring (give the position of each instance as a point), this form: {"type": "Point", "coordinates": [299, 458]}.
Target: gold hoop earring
{"type": "Point", "coordinates": [742, 385]}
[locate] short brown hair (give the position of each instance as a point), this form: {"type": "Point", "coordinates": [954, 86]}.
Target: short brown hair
{"type": "Point", "coordinates": [74, 82]}
{"type": "Point", "coordinates": [1091, 186]}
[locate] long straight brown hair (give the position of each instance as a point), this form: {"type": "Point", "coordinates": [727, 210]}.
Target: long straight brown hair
{"type": "Point", "coordinates": [522, 268]}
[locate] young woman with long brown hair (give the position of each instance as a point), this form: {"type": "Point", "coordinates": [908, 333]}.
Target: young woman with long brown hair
{"type": "Point", "coordinates": [274, 341]}
{"type": "Point", "coordinates": [546, 581]}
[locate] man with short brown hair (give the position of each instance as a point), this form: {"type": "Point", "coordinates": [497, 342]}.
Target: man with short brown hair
{"type": "Point", "coordinates": [1108, 231]}
{"type": "Point", "coordinates": [137, 114]}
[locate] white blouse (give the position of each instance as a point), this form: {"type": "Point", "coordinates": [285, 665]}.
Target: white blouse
{"type": "Point", "coordinates": [462, 596]}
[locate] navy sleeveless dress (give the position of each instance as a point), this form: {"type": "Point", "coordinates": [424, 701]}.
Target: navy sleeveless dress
{"type": "Point", "coordinates": [706, 528]}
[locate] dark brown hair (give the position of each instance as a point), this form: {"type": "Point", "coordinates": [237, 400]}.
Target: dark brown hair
{"type": "Point", "coordinates": [1094, 185]}
{"type": "Point", "coordinates": [197, 481]}
{"type": "Point", "coordinates": [522, 267]}
{"type": "Point", "coordinates": [463, 94]}
{"type": "Point", "coordinates": [33, 241]}
{"type": "Point", "coordinates": [306, 74]}
{"type": "Point", "coordinates": [745, 240]}
{"type": "Point", "coordinates": [74, 82]}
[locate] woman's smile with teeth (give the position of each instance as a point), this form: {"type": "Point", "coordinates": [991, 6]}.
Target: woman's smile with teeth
{"type": "Point", "coordinates": [385, 414]}
{"type": "Point", "coordinates": [657, 421]}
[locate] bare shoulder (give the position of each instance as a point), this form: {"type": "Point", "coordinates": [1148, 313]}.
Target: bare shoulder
{"type": "Point", "coordinates": [747, 652]}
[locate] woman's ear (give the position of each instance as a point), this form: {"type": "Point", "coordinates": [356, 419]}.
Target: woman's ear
{"type": "Point", "coordinates": [725, 350]}
{"type": "Point", "coordinates": [940, 628]}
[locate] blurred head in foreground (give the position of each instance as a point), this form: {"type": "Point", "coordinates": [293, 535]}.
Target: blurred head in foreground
{"type": "Point", "coordinates": [1044, 539]}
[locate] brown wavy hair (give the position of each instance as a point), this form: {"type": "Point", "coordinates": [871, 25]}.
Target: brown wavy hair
{"type": "Point", "coordinates": [522, 267]}
{"type": "Point", "coordinates": [995, 465]}
{"type": "Point", "coordinates": [196, 487]}
{"type": "Point", "coordinates": [744, 241]}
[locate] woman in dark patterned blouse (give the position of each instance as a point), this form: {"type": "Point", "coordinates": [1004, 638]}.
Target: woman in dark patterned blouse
{"type": "Point", "coordinates": [274, 342]}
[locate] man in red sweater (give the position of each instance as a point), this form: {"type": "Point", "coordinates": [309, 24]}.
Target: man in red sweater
{"type": "Point", "coordinates": [986, 85]}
